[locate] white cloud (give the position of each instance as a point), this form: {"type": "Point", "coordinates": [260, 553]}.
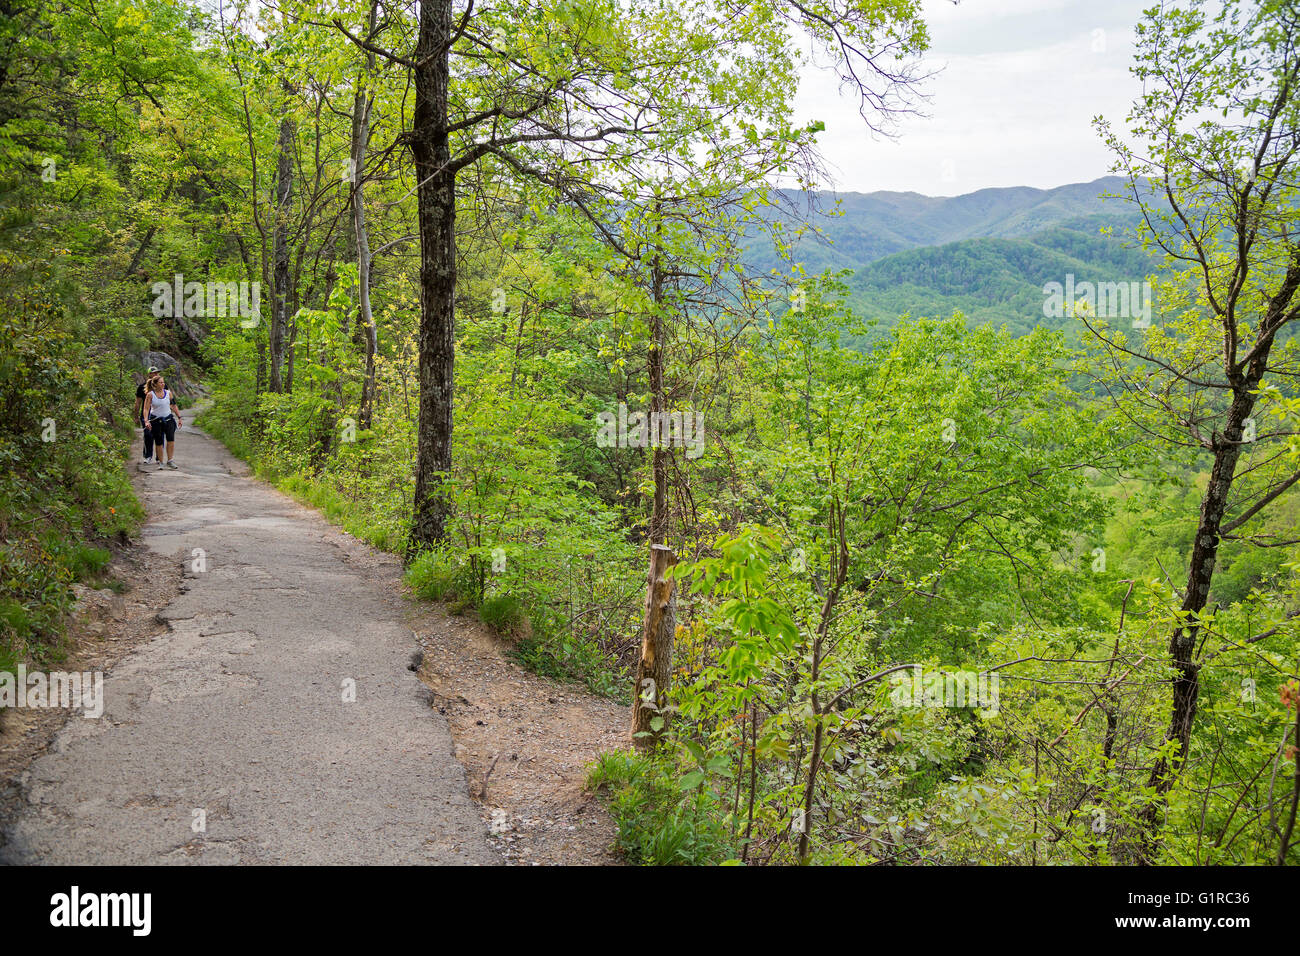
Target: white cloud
{"type": "Point", "coordinates": [1021, 83]}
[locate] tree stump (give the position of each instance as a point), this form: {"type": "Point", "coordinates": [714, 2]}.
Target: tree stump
{"type": "Point", "coordinates": [654, 670]}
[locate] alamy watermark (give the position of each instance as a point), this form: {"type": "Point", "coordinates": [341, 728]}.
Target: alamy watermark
{"type": "Point", "coordinates": [655, 430]}
{"type": "Point", "coordinates": [1106, 300]}
{"type": "Point", "coordinates": [214, 299]}
{"type": "Point", "coordinates": [130, 910]}
{"type": "Point", "coordinates": [55, 689]}
{"type": "Point", "coordinates": [948, 689]}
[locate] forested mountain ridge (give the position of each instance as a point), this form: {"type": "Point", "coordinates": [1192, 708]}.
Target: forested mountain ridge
{"type": "Point", "coordinates": [995, 279]}
{"type": "Point", "coordinates": [985, 254]}
{"type": "Point", "coordinates": [859, 228]}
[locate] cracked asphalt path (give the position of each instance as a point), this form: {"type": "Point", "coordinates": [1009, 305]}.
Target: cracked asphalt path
{"type": "Point", "coordinates": [236, 715]}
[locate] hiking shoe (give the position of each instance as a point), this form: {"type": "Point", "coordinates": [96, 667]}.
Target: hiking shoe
{"type": "Point", "coordinates": [172, 464]}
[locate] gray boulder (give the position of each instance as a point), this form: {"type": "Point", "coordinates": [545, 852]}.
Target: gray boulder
{"type": "Point", "coordinates": [177, 381]}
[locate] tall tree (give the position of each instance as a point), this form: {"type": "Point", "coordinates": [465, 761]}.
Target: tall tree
{"type": "Point", "coordinates": [363, 102]}
{"type": "Point", "coordinates": [283, 189]}
{"type": "Point", "coordinates": [1211, 164]}
{"type": "Point", "coordinates": [572, 91]}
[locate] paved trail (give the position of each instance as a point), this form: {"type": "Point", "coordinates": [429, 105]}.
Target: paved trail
{"type": "Point", "coordinates": [238, 709]}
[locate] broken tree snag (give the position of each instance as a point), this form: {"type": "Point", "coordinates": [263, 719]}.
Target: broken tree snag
{"type": "Point", "coordinates": [654, 670]}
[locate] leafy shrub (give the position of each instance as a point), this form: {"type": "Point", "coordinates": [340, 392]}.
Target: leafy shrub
{"type": "Point", "coordinates": [63, 488]}
{"type": "Point", "coordinates": [663, 818]}
{"type": "Point", "coordinates": [435, 575]}
{"type": "Point", "coordinates": [504, 613]}
{"type": "Point", "coordinates": [571, 658]}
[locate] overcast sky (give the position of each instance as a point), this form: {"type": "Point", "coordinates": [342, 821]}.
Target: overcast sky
{"type": "Point", "coordinates": [1021, 81]}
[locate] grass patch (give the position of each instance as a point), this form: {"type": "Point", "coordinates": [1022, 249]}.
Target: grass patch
{"type": "Point", "coordinates": [564, 658]}
{"type": "Point", "coordinates": [355, 517]}
{"type": "Point", "coordinates": [659, 823]}
{"type": "Point", "coordinates": [87, 563]}
{"type": "Point", "coordinates": [435, 575]}
{"type": "Point", "coordinates": [505, 614]}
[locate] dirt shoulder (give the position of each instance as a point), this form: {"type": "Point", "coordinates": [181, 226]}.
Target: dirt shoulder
{"type": "Point", "coordinates": [524, 740]}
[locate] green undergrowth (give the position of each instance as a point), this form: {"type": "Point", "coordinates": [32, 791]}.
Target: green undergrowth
{"type": "Point", "coordinates": [65, 496]}
{"type": "Point", "coordinates": [664, 818]}
{"type": "Point", "coordinates": [537, 640]}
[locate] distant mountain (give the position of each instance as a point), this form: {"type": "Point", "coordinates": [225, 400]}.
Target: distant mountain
{"type": "Point", "coordinates": [999, 281]}
{"type": "Point", "coordinates": [858, 228]}
{"type": "Point", "coordinates": [987, 253]}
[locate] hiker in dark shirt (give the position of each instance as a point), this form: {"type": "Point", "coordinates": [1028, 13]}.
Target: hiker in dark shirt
{"type": "Point", "coordinates": [140, 391]}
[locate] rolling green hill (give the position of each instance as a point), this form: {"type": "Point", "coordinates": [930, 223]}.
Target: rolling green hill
{"type": "Point", "coordinates": [858, 228]}
{"type": "Point", "coordinates": [994, 280]}
{"type": "Point", "coordinates": [987, 254]}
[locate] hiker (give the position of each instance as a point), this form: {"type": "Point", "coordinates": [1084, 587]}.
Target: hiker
{"type": "Point", "coordinates": [138, 416]}
{"type": "Point", "coordinates": [164, 417]}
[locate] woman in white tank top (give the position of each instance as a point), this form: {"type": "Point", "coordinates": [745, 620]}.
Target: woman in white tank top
{"type": "Point", "coordinates": [164, 418]}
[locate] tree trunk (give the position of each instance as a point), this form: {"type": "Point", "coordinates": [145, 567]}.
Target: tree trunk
{"type": "Point", "coordinates": [360, 137]}
{"type": "Point", "coordinates": [654, 670]}
{"type": "Point", "coordinates": [658, 405]}
{"type": "Point", "coordinates": [283, 199]}
{"type": "Point", "coordinates": [1200, 575]}
{"type": "Point", "coordinates": [361, 106]}
{"type": "Point", "coordinates": [291, 354]}
{"type": "Point", "coordinates": [261, 367]}
{"type": "Point", "coordinates": [256, 425]}
{"type": "Point", "coordinates": [291, 311]}
{"type": "Point", "coordinates": [436, 201]}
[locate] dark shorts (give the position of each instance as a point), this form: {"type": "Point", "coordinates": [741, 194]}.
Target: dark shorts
{"type": "Point", "coordinates": [163, 428]}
